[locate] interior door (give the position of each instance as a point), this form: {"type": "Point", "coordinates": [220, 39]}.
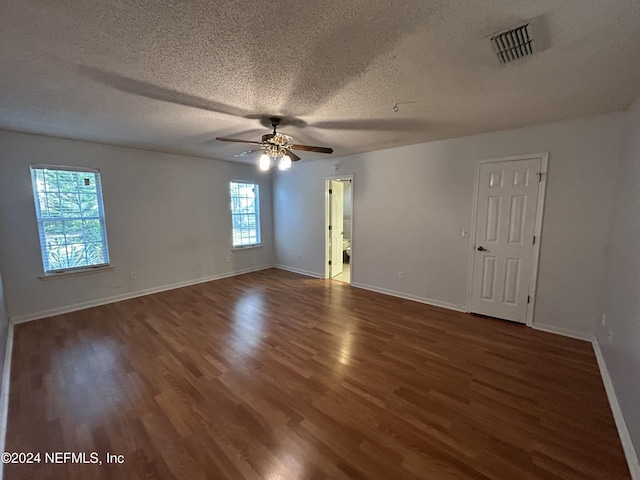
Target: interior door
{"type": "Point", "coordinates": [505, 227]}
{"type": "Point", "coordinates": [336, 194]}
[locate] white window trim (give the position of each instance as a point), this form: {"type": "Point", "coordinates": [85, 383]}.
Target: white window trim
{"type": "Point", "coordinates": [235, 248]}
{"type": "Point", "coordinates": [72, 270]}
{"type": "Point", "coordinates": [245, 247]}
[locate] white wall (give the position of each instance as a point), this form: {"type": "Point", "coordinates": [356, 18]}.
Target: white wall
{"type": "Point", "coordinates": [410, 204]}
{"type": "Point", "coordinates": [621, 292]}
{"type": "Point", "coordinates": [164, 214]}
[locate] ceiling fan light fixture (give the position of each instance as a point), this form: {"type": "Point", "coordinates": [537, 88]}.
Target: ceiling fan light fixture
{"type": "Point", "coordinates": [277, 146]}
{"type": "Point", "coordinates": [265, 162]}
{"type": "Point", "coordinates": [285, 163]}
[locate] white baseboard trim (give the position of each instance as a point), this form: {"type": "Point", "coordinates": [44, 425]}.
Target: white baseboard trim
{"type": "Point", "coordinates": [4, 392]}
{"type": "Point", "coordinates": [300, 271]}
{"type": "Point", "coordinates": [588, 337]}
{"type": "Point", "coordinates": [126, 296]}
{"type": "Point", "coordinates": [408, 296]}
{"type": "Point", "coordinates": [623, 431]}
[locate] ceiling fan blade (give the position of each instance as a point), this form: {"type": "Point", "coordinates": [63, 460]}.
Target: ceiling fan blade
{"type": "Point", "coordinates": [248, 152]}
{"type": "Point", "coordinates": [222, 139]}
{"type": "Point", "coordinates": [293, 156]}
{"type": "Point", "coordinates": [309, 148]}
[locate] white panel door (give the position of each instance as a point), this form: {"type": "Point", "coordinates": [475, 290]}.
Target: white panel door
{"type": "Point", "coordinates": [337, 226]}
{"type": "Point", "coordinates": [505, 227]}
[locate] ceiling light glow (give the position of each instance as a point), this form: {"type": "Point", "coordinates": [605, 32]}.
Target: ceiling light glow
{"type": "Point", "coordinates": [285, 163]}
{"type": "Point", "coordinates": [265, 162]}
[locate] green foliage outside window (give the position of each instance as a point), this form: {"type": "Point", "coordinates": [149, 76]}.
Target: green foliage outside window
{"type": "Point", "coordinates": [70, 217]}
{"type": "Point", "coordinates": [245, 212]}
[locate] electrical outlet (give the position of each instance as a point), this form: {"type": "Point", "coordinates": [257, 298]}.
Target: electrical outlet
{"type": "Point", "coordinates": [465, 232]}
{"type": "Point", "coordinates": [299, 256]}
{"type": "Point", "coordinates": [199, 264]}
{"type": "Point", "coordinates": [604, 319]}
{"type": "Point", "coordinates": [610, 338]}
{"type": "Point", "coordinates": [400, 274]}
{"type": "Point", "coordinates": [132, 275]}
{"type": "Point", "coordinates": [227, 259]}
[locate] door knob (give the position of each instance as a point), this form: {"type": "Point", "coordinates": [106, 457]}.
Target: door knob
{"type": "Point", "coordinates": [482, 249]}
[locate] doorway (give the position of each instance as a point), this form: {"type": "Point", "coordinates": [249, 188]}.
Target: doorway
{"type": "Point", "coordinates": [508, 208]}
{"type": "Point", "coordinates": [339, 228]}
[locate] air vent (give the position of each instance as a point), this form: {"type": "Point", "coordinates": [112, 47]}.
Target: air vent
{"type": "Point", "coordinates": [513, 44]}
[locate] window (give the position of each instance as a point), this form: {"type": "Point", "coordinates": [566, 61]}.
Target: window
{"type": "Point", "coordinates": [70, 217]}
{"type": "Point", "coordinates": [245, 212]}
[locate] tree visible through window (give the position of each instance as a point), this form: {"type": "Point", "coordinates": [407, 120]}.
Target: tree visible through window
{"type": "Point", "coordinates": [245, 213]}
{"type": "Point", "coordinates": [70, 217]}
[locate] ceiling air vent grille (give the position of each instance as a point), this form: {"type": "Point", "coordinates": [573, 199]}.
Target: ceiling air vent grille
{"type": "Point", "coordinates": [513, 44]}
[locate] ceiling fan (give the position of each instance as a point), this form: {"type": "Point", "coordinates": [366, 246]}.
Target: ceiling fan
{"type": "Point", "coordinates": [276, 146]}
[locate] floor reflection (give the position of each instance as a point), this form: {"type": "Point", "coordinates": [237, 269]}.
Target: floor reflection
{"type": "Point", "coordinates": [345, 349]}
{"type": "Point", "coordinates": [248, 322]}
{"type": "Point", "coordinates": [287, 466]}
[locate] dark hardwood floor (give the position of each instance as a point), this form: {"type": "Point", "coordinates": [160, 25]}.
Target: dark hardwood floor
{"type": "Point", "coordinates": [277, 376]}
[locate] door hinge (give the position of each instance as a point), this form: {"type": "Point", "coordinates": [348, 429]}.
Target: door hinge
{"type": "Point", "coordinates": [539, 176]}
{"type": "Point", "coordinates": [329, 227]}
{"type": "Point", "coordinates": [528, 296]}
{"type": "Point", "coordinates": [330, 191]}
{"type": "Point", "coordinates": [329, 262]}
{"type": "Point", "coordinates": [534, 239]}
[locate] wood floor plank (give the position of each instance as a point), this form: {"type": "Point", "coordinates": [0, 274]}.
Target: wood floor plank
{"type": "Point", "coordinates": [273, 375]}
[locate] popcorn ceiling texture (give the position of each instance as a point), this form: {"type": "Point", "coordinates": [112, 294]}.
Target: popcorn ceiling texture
{"type": "Point", "coordinates": [173, 75]}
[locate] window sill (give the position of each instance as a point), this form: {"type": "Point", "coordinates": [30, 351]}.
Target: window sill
{"type": "Point", "coordinates": [235, 249]}
{"type": "Point", "coordinates": [74, 272]}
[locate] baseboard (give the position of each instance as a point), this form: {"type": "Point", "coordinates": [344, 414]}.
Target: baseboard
{"type": "Point", "coordinates": [384, 291]}
{"type": "Point", "coordinates": [4, 392]}
{"type": "Point", "coordinates": [300, 271]}
{"type": "Point", "coordinates": [562, 331]}
{"type": "Point", "coordinates": [140, 293]}
{"type": "Point", "coordinates": [408, 296]}
{"type": "Point", "coordinates": [623, 431]}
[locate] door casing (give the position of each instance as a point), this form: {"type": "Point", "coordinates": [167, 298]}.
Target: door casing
{"type": "Point", "coordinates": [337, 226]}
{"type": "Point", "coordinates": [327, 250]}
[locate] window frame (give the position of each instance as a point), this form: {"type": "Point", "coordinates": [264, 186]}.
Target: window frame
{"type": "Point", "coordinates": [256, 214]}
{"type": "Point", "coordinates": [106, 265]}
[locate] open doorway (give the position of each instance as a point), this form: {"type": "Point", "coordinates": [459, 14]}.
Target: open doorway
{"type": "Point", "coordinates": [339, 228]}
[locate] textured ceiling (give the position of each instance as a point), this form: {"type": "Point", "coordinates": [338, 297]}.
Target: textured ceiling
{"type": "Point", "coordinates": [173, 75]}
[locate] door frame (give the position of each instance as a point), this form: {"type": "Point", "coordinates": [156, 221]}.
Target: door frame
{"type": "Point", "coordinates": [327, 251]}
{"type": "Point", "coordinates": [542, 188]}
